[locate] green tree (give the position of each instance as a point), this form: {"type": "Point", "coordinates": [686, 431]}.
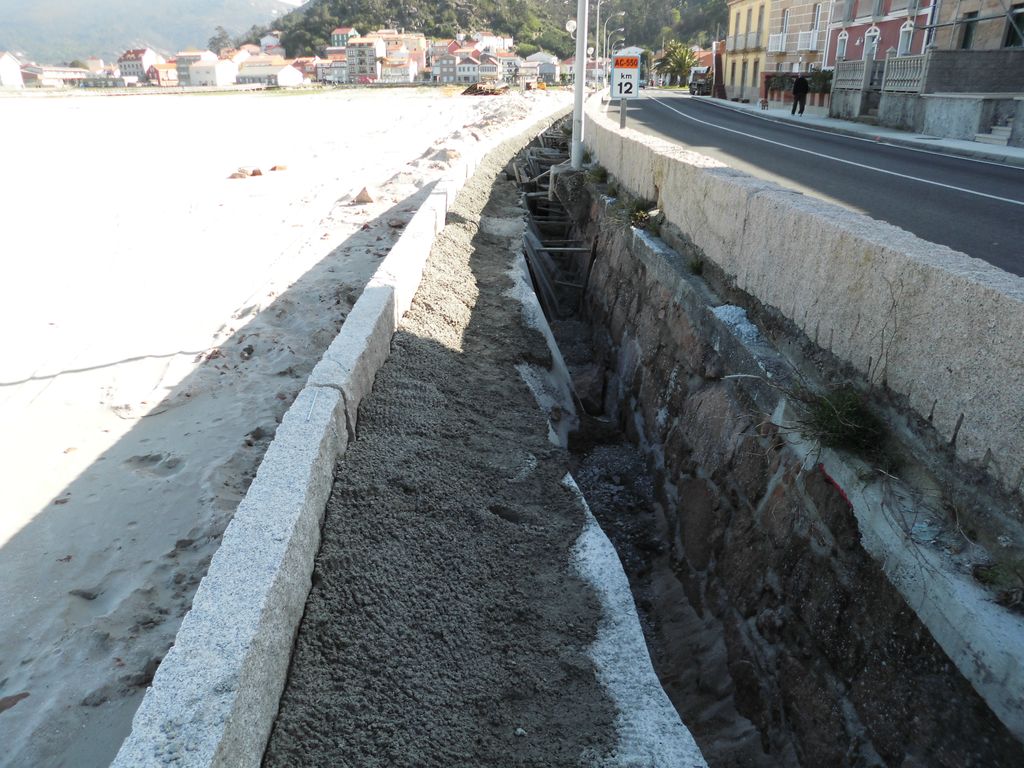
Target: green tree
{"type": "Point", "coordinates": [676, 62]}
{"type": "Point", "coordinates": [220, 40]}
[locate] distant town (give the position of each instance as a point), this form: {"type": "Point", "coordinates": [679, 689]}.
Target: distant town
{"type": "Point", "coordinates": [382, 56]}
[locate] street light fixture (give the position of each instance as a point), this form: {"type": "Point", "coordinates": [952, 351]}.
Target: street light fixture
{"type": "Point", "coordinates": [607, 50]}
{"type": "Point", "coordinates": [609, 36]}
{"type": "Point", "coordinates": [605, 35]}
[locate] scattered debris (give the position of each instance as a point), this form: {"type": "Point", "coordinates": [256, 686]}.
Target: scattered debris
{"type": "Point", "coordinates": [85, 594]}
{"type": "Point", "coordinates": [9, 701]}
{"type": "Point", "coordinates": [364, 196]}
{"type": "Point", "coordinates": [486, 89]}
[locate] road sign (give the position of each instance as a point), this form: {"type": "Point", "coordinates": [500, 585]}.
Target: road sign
{"type": "Point", "coordinates": [625, 77]}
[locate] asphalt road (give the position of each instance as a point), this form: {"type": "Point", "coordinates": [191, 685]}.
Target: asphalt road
{"type": "Point", "coordinates": [971, 206]}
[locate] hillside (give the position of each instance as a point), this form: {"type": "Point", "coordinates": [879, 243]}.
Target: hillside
{"type": "Point", "coordinates": [533, 23]}
{"type": "Point", "coordinates": [54, 31]}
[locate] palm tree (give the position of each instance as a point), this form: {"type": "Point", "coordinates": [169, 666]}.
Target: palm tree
{"type": "Point", "coordinates": [676, 62]}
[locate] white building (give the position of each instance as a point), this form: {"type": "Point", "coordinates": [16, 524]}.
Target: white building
{"type": "Point", "coordinates": [219, 73]}
{"type": "Point", "coordinates": [136, 63]}
{"type": "Point", "coordinates": [184, 60]}
{"type": "Point", "coordinates": [491, 69]}
{"type": "Point", "coordinates": [10, 71]}
{"type": "Point", "coordinates": [510, 66]}
{"type": "Point", "coordinates": [547, 66]}
{"type": "Point", "coordinates": [269, 74]}
{"type": "Point", "coordinates": [398, 71]}
{"type": "Point", "coordinates": [488, 41]}
{"type": "Point", "coordinates": [467, 70]}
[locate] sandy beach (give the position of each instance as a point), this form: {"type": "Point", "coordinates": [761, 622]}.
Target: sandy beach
{"type": "Point", "coordinates": [160, 317]}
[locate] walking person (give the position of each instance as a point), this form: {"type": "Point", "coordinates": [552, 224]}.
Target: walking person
{"type": "Point", "coordinates": [800, 89]}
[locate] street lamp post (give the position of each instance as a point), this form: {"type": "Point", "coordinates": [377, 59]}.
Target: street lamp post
{"type": "Point", "coordinates": [576, 149]}
{"type": "Point", "coordinates": [605, 35]}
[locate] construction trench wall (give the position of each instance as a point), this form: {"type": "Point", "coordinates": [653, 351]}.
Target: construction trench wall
{"type": "Point", "coordinates": [841, 623]}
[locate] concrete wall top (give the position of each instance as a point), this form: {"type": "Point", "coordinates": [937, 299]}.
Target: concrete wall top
{"type": "Point", "coordinates": [942, 329]}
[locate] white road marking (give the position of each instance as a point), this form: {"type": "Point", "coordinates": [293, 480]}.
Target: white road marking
{"type": "Point", "coordinates": [840, 160]}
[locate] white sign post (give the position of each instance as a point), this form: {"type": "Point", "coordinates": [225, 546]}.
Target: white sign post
{"type": "Point", "coordinates": [625, 82]}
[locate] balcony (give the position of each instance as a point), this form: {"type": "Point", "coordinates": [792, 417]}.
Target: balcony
{"type": "Point", "coordinates": [734, 43]}
{"type": "Point", "coordinates": [807, 41]}
{"type": "Point", "coordinates": [777, 43]}
{"type": "Point", "coordinates": [753, 39]}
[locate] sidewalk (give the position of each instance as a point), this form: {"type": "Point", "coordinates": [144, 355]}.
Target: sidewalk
{"type": "Point", "coordinates": [817, 117]}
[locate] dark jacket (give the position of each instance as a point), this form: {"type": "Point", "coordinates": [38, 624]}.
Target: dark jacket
{"type": "Point", "coordinates": [801, 86]}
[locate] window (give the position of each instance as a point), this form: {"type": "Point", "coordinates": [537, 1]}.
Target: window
{"type": "Point", "coordinates": [760, 19]}
{"type": "Point", "coordinates": [785, 21]}
{"type": "Point", "coordinates": [732, 74]}
{"type": "Point", "coordinates": [1015, 27]}
{"type": "Point", "coordinates": [970, 26]}
{"type": "Point", "coordinates": [870, 43]}
{"type": "Point", "coordinates": [753, 77]}
{"type": "Point", "coordinates": [841, 46]}
{"type": "Point", "coordinates": [906, 38]}
{"type": "Point", "coordinates": [816, 16]}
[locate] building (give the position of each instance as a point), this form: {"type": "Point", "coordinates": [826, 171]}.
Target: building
{"type": "Point", "coordinates": [979, 25]}
{"type": "Point", "coordinates": [307, 66]}
{"type": "Point", "coordinates": [333, 71]}
{"type": "Point", "coordinates": [870, 29]}
{"type": "Point", "coordinates": [797, 33]}
{"type": "Point", "coordinates": [95, 65]}
{"type": "Point", "coordinates": [491, 69]}
{"type": "Point", "coordinates": [529, 72]}
{"type": "Point", "coordinates": [444, 68]}
{"type": "Point", "coordinates": [509, 65]}
{"type": "Point", "coordinates": [341, 35]}
{"type": "Point", "coordinates": [746, 46]}
{"type": "Point", "coordinates": [36, 76]}
{"type": "Point", "coordinates": [548, 68]}
{"type": "Point", "coordinates": [365, 55]}
{"type": "Point", "coordinates": [271, 44]}
{"type": "Point", "coordinates": [279, 74]}
{"type": "Point", "coordinates": [10, 71]}
{"type": "Point", "coordinates": [184, 60]}
{"type": "Point", "coordinates": [136, 62]}
{"type": "Point", "coordinates": [398, 71]}
{"type": "Point", "coordinates": [467, 69]}
{"type": "Point", "coordinates": [489, 41]}
{"type": "Point", "coordinates": [162, 75]}
{"type": "Point", "coordinates": [214, 73]}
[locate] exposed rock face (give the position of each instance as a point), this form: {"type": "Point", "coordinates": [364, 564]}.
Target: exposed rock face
{"type": "Point", "coordinates": [763, 609]}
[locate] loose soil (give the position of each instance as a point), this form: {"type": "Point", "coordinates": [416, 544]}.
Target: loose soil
{"type": "Point", "coordinates": [445, 625]}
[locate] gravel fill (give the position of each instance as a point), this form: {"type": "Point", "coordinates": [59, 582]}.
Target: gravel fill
{"type": "Point", "coordinates": [446, 625]}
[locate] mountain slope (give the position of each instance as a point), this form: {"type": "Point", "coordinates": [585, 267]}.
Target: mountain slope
{"type": "Point", "coordinates": [53, 31]}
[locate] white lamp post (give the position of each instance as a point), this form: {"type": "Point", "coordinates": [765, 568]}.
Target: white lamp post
{"type": "Point", "coordinates": [605, 36]}
{"type": "Point", "coordinates": [576, 149]}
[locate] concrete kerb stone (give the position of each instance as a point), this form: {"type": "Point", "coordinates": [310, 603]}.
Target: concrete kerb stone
{"type": "Point", "coordinates": [214, 697]}
{"type": "Point", "coordinates": [934, 325]}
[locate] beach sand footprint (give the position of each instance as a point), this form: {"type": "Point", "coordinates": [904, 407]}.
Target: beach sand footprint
{"type": "Point", "coordinates": [159, 464]}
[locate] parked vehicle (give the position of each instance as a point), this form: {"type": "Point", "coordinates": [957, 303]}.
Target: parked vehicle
{"type": "Point", "coordinates": [700, 81]}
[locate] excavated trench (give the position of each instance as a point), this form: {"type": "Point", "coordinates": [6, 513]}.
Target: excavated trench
{"type": "Point", "coordinates": [778, 638]}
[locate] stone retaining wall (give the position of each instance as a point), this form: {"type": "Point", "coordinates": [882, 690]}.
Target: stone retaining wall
{"type": "Point", "coordinates": [838, 627]}
{"type": "Point", "coordinates": [941, 329]}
